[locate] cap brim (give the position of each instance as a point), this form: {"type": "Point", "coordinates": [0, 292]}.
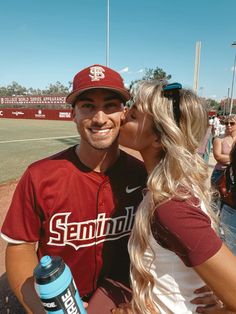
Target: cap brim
{"type": "Point", "coordinates": [71, 98]}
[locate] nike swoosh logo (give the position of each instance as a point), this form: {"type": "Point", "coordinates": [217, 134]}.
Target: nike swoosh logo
{"type": "Point", "coordinates": [128, 190]}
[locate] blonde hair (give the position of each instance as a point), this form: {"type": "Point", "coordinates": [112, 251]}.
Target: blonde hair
{"type": "Point", "coordinates": [229, 118]}
{"type": "Point", "coordinates": [180, 173]}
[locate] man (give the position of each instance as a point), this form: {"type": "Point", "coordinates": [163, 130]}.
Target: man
{"type": "Point", "coordinates": [80, 203]}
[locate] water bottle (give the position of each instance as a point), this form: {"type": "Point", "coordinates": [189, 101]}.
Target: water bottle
{"type": "Point", "coordinates": [56, 288]}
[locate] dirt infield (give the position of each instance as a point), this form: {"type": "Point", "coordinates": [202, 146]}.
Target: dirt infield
{"type": "Point", "coordinates": [6, 192]}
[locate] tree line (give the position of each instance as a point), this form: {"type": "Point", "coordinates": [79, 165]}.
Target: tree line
{"type": "Point", "coordinates": [15, 89]}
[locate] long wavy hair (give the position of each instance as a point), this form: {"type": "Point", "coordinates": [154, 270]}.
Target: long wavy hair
{"type": "Point", "coordinates": [181, 172]}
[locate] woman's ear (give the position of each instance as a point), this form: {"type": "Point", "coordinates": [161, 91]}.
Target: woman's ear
{"type": "Point", "coordinates": [157, 141]}
{"type": "Point", "coordinates": [123, 115]}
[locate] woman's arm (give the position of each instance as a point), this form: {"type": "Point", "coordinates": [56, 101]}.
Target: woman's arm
{"type": "Point", "coordinates": [217, 152]}
{"type": "Point", "coordinates": [219, 273]}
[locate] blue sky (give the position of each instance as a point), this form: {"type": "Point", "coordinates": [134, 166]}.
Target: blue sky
{"type": "Point", "coordinates": [44, 41]}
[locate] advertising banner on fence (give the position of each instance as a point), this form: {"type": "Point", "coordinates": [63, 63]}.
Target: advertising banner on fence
{"type": "Point", "coordinates": [40, 114]}
{"type": "Point", "coordinates": [18, 100]}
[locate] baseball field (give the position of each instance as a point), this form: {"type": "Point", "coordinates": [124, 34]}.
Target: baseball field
{"type": "Point", "coordinates": [24, 141]}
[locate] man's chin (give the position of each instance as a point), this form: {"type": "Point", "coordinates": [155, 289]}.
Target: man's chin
{"type": "Point", "coordinates": [103, 146]}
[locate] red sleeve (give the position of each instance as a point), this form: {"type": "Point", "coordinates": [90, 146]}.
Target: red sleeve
{"type": "Point", "coordinates": [22, 222]}
{"type": "Point", "coordinates": [185, 230]}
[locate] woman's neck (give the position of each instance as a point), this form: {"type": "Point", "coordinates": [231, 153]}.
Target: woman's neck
{"type": "Point", "coordinates": [151, 159]}
{"type": "Point", "coordinates": [233, 135]}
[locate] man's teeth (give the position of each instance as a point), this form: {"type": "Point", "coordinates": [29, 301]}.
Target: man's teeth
{"type": "Point", "coordinates": [100, 131]}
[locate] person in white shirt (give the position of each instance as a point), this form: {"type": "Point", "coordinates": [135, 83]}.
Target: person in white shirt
{"type": "Point", "coordinates": [216, 126]}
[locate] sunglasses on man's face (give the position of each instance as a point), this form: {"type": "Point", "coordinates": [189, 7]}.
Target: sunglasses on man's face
{"type": "Point", "coordinates": [229, 123]}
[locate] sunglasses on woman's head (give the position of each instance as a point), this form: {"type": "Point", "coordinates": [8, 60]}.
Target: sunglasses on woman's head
{"type": "Point", "coordinates": [230, 123]}
{"type": "Point", "coordinates": [171, 91]}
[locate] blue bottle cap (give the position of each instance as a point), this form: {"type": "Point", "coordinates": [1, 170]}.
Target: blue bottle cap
{"type": "Point", "coordinates": [49, 269]}
{"type": "Point", "coordinates": [45, 260]}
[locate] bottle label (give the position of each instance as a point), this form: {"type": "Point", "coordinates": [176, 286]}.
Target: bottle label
{"type": "Point", "coordinates": [65, 301]}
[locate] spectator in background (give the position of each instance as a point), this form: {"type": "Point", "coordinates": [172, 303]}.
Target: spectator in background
{"type": "Point", "coordinates": [216, 125]}
{"type": "Point", "coordinates": [211, 120]}
{"type": "Point", "coordinates": [222, 147]}
{"type": "Point", "coordinates": [228, 210]}
{"type": "Point", "coordinates": [221, 129]}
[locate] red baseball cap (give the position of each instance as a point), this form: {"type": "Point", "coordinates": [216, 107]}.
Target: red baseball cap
{"type": "Point", "coordinates": [97, 76]}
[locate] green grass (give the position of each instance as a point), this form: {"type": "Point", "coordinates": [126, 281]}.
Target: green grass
{"type": "Point", "coordinates": [16, 156]}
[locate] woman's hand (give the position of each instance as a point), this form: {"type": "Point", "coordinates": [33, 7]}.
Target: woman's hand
{"type": "Point", "coordinates": [208, 302]}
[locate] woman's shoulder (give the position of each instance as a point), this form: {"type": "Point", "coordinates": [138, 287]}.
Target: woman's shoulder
{"type": "Point", "coordinates": [226, 140]}
{"type": "Point", "coordinates": [177, 212]}
{"type": "Point", "coordinates": [218, 139]}
{"type": "Point", "coordinates": [184, 228]}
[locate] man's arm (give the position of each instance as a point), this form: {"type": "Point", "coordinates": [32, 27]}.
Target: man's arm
{"type": "Point", "coordinates": [21, 259]}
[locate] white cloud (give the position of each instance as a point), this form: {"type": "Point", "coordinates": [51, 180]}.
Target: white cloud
{"type": "Point", "coordinates": [140, 71]}
{"type": "Point", "coordinates": [125, 70]}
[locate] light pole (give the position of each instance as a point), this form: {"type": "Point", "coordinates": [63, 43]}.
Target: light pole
{"type": "Point", "coordinates": [196, 67]}
{"type": "Point", "coordinates": [108, 34]}
{"type": "Point", "coordinates": [228, 101]}
{"type": "Point", "coordinates": [232, 87]}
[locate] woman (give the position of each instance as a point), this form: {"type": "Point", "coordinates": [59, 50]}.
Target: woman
{"type": "Point", "coordinates": [222, 147]}
{"type": "Point", "coordinates": [173, 247]}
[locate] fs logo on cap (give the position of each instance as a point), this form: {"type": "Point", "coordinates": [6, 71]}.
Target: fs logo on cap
{"type": "Point", "coordinates": [96, 73]}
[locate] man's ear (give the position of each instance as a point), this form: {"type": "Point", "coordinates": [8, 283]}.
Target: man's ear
{"type": "Point", "coordinates": [73, 113]}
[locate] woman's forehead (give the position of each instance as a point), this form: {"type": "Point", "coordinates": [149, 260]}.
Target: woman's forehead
{"type": "Point", "coordinates": [232, 118]}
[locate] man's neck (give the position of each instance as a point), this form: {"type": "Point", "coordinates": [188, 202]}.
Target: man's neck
{"type": "Point", "coordinates": [98, 160]}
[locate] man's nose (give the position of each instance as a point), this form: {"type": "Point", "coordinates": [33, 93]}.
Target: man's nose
{"type": "Point", "coordinates": [100, 117]}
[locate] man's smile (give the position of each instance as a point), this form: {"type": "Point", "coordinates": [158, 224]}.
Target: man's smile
{"type": "Point", "coordinates": [104, 131]}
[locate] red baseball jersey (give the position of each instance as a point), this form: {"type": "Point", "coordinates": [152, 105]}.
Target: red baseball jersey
{"type": "Point", "coordinates": [79, 214]}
